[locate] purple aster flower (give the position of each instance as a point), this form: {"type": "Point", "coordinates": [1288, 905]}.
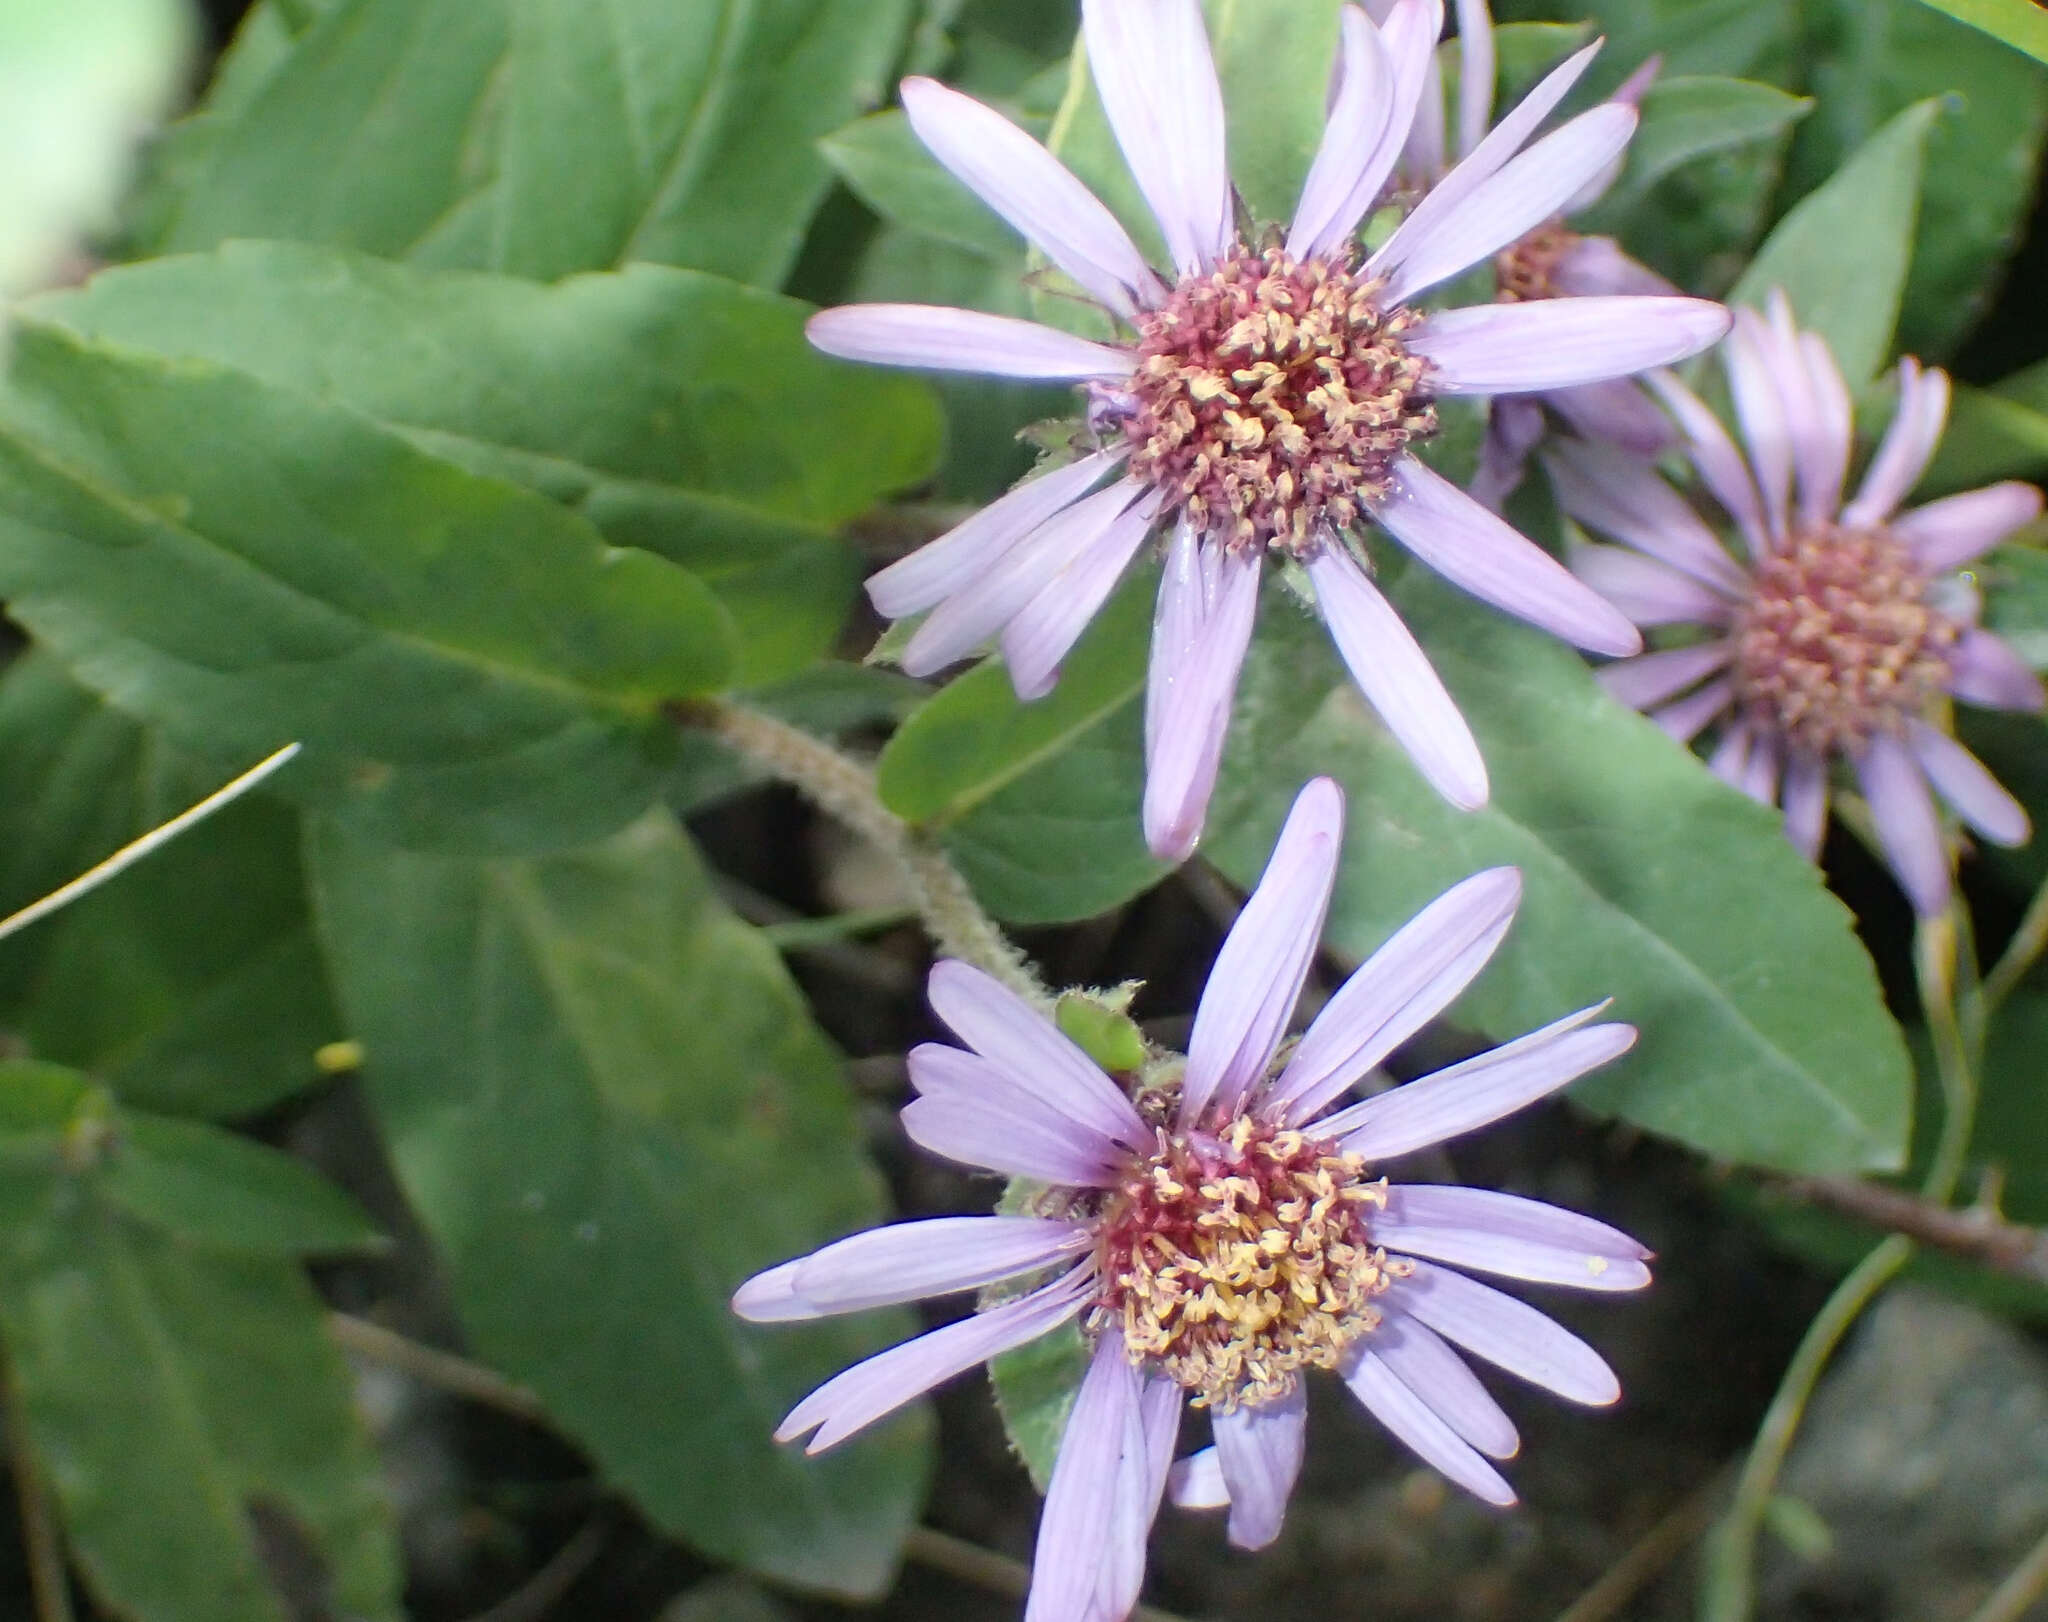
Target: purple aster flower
{"type": "Point", "coordinates": [1265, 395]}
{"type": "Point", "coordinates": [1841, 630]}
{"type": "Point", "coordinates": [1218, 1230]}
{"type": "Point", "coordinates": [1549, 261]}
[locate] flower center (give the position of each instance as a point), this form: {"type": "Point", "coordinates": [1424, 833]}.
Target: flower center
{"type": "Point", "coordinates": [1527, 267]}
{"type": "Point", "coordinates": [1839, 641]}
{"type": "Point", "coordinates": [1272, 397]}
{"type": "Point", "coordinates": [1233, 1261]}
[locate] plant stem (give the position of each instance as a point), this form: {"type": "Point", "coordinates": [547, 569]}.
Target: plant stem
{"type": "Point", "coordinates": [40, 1537]}
{"type": "Point", "coordinates": [442, 1370]}
{"type": "Point", "coordinates": [1646, 1557]}
{"type": "Point", "coordinates": [1728, 1590]}
{"type": "Point", "coordinates": [2025, 1583]}
{"type": "Point", "coordinates": [2021, 953]}
{"type": "Point", "coordinates": [1934, 965]}
{"type": "Point", "coordinates": [1975, 1233]}
{"type": "Point", "coordinates": [845, 789]}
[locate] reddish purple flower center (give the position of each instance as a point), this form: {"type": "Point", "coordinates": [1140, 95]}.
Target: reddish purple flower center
{"type": "Point", "coordinates": [1527, 268]}
{"type": "Point", "coordinates": [1232, 1261]}
{"type": "Point", "coordinates": [1271, 398]}
{"type": "Point", "coordinates": [1839, 641]}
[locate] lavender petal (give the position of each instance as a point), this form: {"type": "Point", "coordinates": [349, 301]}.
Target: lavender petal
{"type": "Point", "coordinates": [1562, 342]}
{"type": "Point", "coordinates": [1907, 826]}
{"type": "Point", "coordinates": [1509, 1334]}
{"type": "Point", "coordinates": [1000, 1025]}
{"type": "Point", "coordinates": [1616, 412]}
{"type": "Point", "coordinates": [856, 1398]}
{"type": "Point", "coordinates": [969, 551]}
{"type": "Point", "coordinates": [1806, 803]}
{"type": "Point", "coordinates": [1475, 74]}
{"type": "Point", "coordinates": [1478, 551]}
{"type": "Point", "coordinates": [1983, 669]}
{"type": "Point", "coordinates": [1006, 1130]}
{"type": "Point", "coordinates": [1140, 1483]}
{"type": "Point", "coordinates": [1034, 191]}
{"type": "Point", "coordinates": [1685, 719]}
{"type": "Point", "coordinates": [1424, 1362]}
{"type": "Point", "coordinates": [1200, 631]}
{"type": "Point", "coordinates": [1443, 199]}
{"type": "Point", "coordinates": [1260, 1450]}
{"type": "Point", "coordinates": [1908, 443]}
{"type": "Point", "coordinates": [933, 338]}
{"type": "Point", "coordinates": [1960, 778]}
{"type": "Point", "coordinates": [1045, 630]}
{"type": "Point", "coordinates": [1395, 675]}
{"type": "Point", "coordinates": [1760, 772]}
{"type": "Point", "coordinates": [1622, 496]}
{"type": "Point", "coordinates": [1258, 974]}
{"type": "Point", "coordinates": [1528, 190]}
{"type": "Point", "coordinates": [906, 1262]}
{"type": "Point", "coordinates": [1079, 1529]}
{"type": "Point", "coordinates": [1395, 992]}
{"type": "Point", "coordinates": [1416, 1425]}
{"type": "Point", "coordinates": [1720, 465]}
{"type": "Point", "coordinates": [1480, 1090]}
{"type": "Point", "coordinates": [1651, 679]}
{"type": "Point", "coordinates": [1648, 592]}
{"type": "Point", "coordinates": [1450, 1205]}
{"type": "Point", "coordinates": [1595, 265]}
{"type": "Point", "coordinates": [1510, 1255]}
{"type": "Point", "coordinates": [1949, 533]}
{"type": "Point", "coordinates": [1351, 137]}
{"type": "Point", "coordinates": [1196, 1482]}
{"type": "Point", "coordinates": [1760, 408]}
{"type": "Point", "coordinates": [1151, 65]}
{"type": "Point", "coordinates": [1730, 758]}
{"type": "Point", "coordinates": [980, 609]}
{"type": "Point", "coordinates": [1823, 451]}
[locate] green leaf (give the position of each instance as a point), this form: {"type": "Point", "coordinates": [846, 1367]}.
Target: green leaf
{"type": "Point", "coordinates": [2018, 23]}
{"type": "Point", "coordinates": [243, 565]}
{"type": "Point", "coordinates": [518, 137]}
{"type": "Point", "coordinates": [85, 78]}
{"type": "Point", "coordinates": [2014, 580]}
{"type": "Point", "coordinates": [975, 735]}
{"type": "Point", "coordinates": [1764, 1036]}
{"type": "Point", "coordinates": [1038, 804]}
{"type": "Point", "coordinates": [680, 413]}
{"type": "Point", "coordinates": [1687, 119]}
{"type": "Point", "coordinates": [1035, 1386]}
{"type": "Point", "coordinates": [881, 158]}
{"type": "Point", "coordinates": [984, 416]}
{"type": "Point", "coordinates": [189, 984]}
{"type": "Point", "coordinates": [1991, 435]}
{"type": "Point", "coordinates": [218, 1190]}
{"type": "Point", "coordinates": [1841, 255]}
{"type": "Point", "coordinates": [605, 1100]}
{"type": "Point", "coordinates": [1874, 58]}
{"type": "Point", "coordinates": [187, 1407]}
{"type": "Point", "coordinates": [1747, 39]}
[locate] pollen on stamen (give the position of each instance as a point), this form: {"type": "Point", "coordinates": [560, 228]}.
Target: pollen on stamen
{"type": "Point", "coordinates": [1272, 397]}
{"type": "Point", "coordinates": [1839, 641]}
{"type": "Point", "coordinates": [1233, 1260]}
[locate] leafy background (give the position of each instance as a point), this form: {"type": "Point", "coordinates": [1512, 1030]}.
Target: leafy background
{"type": "Point", "coordinates": [442, 402]}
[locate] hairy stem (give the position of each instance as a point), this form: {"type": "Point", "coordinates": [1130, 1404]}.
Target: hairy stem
{"type": "Point", "coordinates": [845, 789]}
